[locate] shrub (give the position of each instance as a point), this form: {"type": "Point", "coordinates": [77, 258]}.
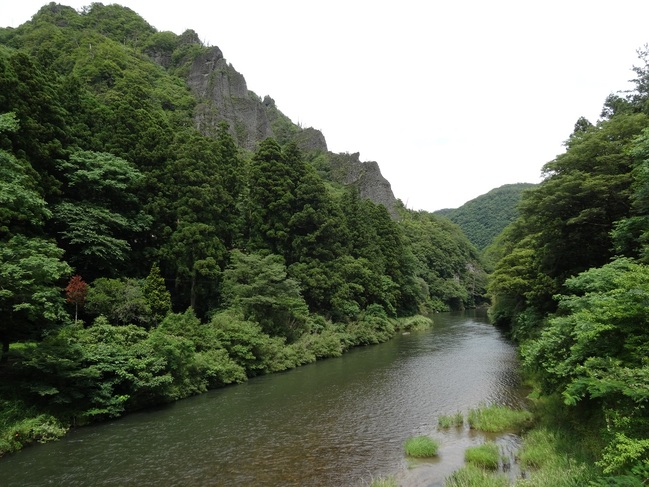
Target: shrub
{"type": "Point", "coordinates": [421, 447]}
{"type": "Point", "coordinates": [41, 428]}
{"type": "Point", "coordinates": [484, 456]}
{"type": "Point", "coordinates": [414, 323]}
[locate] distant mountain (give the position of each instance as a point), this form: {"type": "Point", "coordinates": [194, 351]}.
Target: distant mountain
{"type": "Point", "coordinates": [484, 217]}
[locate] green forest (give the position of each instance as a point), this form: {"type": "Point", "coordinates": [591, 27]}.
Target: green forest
{"type": "Point", "coordinates": [483, 218]}
{"type": "Point", "coordinates": [143, 260]}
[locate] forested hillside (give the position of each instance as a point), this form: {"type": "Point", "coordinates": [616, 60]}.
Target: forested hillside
{"type": "Point", "coordinates": [572, 283]}
{"type": "Point", "coordinates": [483, 218]}
{"type": "Point", "coordinates": [147, 255]}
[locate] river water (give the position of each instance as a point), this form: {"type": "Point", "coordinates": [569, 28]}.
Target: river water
{"type": "Point", "coordinates": [338, 422]}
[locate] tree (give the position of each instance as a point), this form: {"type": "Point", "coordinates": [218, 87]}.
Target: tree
{"type": "Point", "coordinates": [594, 353]}
{"type": "Point", "coordinates": [101, 214]}
{"type": "Point", "coordinates": [75, 293]}
{"type": "Point", "coordinates": [565, 224]}
{"type": "Point", "coordinates": [156, 294]}
{"type": "Point", "coordinates": [21, 205]}
{"type": "Point", "coordinates": [30, 297]}
{"type": "Point", "coordinates": [259, 286]}
{"type": "Point", "coordinates": [272, 183]}
{"type": "Point", "coordinates": [121, 301]}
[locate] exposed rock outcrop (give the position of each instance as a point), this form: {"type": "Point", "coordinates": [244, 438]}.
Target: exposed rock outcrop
{"type": "Point", "coordinates": [348, 169]}
{"type": "Point", "coordinates": [222, 94]}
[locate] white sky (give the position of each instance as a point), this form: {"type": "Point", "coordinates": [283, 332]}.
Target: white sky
{"type": "Point", "coordinates": [452, 98]}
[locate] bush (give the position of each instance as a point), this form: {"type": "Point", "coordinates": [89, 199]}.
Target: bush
{"type": "Point", "coordinates": [414, 323]}
{"type": "Point", "coordinates": [40, 429]}
{"type": "Point", "coordinates": [484, 456]}
{"type": "Point", "coordinates": [421, 447]}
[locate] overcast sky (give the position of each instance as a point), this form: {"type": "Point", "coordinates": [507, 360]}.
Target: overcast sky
{"type": "Point", "coordinates": [451, 98]}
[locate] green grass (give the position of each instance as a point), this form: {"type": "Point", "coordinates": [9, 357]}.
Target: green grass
{"type": "Point", "coordinates": [384, 482]}
{"type": "Point", "coordinates": [448, 421]}
{"type": "Point", "coordinates": [421, 447]}
{"type": "Point", "coordinates": [498, 419]}
{"type": "Point", "coordinates": [550, 459]}
{"type": "Point", "coordinates": [485, 456]}
{"type": "Point", "coordinates": [472, 476]}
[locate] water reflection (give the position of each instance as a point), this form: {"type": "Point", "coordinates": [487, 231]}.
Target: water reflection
{"type": "Point", "coordinates": [336, 422]}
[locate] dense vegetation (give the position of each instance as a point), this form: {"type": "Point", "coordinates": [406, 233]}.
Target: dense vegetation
{"type": "Point", "coordinates": [572, 283]}
{"type": "Point", "coordinates": [483, 218]}
{"type": "Point", "coordinates": [142, 261]}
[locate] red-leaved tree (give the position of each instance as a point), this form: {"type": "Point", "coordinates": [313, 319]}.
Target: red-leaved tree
{"type": "Point", "coordinates": [75, 293]}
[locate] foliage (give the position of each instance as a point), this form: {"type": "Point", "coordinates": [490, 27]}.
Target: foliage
{"type": "Point", "coordinates": [421, 446]}
{"type": "Point", "coordinates": [483, 218]}
{"type": "Point", "coordinates": [595, 351]}
{"type": "Point", "coordinates": [261, 288]}
{"type": "Point", "coordinates": [156, 295]}
{"type": "Point", "coordinates": [30, 300]}
{"type": "Point", "coordinates": [122, 301]}
{"type": "Point", "coordinates": [76, 292]}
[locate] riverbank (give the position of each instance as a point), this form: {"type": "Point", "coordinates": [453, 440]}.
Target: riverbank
{"type": "Point", "coordinates": [332, 422]}
{"type": "Point", "coordinates": [104, 372]}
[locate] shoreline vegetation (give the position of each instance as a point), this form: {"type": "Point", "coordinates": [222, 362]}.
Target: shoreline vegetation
{"type": "Point", "coordinates": [248, 353]}
{"type": "Point", "coordinates": [556, 450]}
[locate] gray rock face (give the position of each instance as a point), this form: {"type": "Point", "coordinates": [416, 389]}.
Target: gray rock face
{"type": "Point", "coordinates": [222, 94]}
{"type": "Point", "coordinates": [366, 176]}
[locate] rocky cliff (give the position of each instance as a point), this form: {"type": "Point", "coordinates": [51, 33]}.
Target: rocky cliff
{"type": "Point", "coordinates": [223, 94]}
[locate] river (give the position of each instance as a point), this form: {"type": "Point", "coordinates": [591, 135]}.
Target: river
{"type": "Point", "coordinates": [337, 422]}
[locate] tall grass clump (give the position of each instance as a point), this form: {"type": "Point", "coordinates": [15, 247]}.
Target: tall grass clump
{"type": "Point", "coordinates": [384, 482]}
{"type": "Point", "coordinates": [497, 419]}
{"type": "Point", "coordinates": [421, 446]}
{"type": "Point", "coordinates": [550, 460]}
{"type": "Point", "coordinates": [472, 476]}
{"type": "Point", "coordinates": [448, 421]}
{"type": "Point", "coordinates": [485, 456]}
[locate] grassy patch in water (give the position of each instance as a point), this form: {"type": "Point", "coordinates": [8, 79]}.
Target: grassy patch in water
{"type": "Point", "coordinates": [472, 476]}
{"type": "Point", "coordinates": [485, 456]}
{"type": "Point", "coordinates": [497, 419]}
{"type": "Point", "coordinates": [421, 447]}
{"type": "Point", "coordinates": [448, 421]}
{"type": "Point", "coordinates": [384, 482]}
